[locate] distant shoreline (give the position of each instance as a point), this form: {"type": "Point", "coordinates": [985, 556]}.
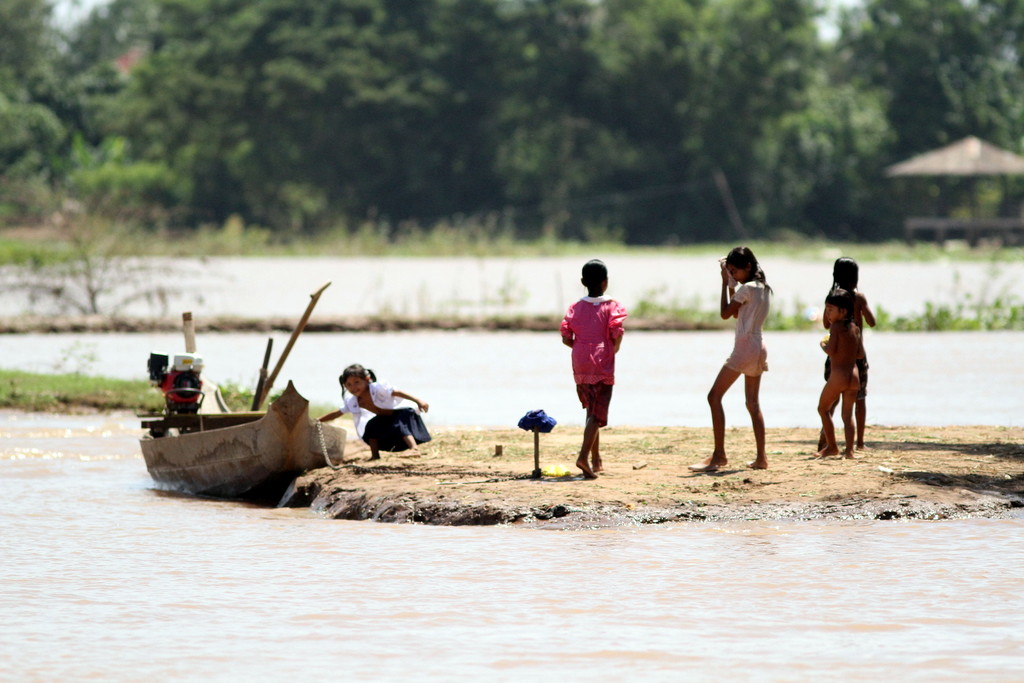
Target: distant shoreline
{"type": "Point", "coordinates": [224, 324]}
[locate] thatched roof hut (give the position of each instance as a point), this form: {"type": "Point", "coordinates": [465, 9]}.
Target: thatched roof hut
{"type": "Point", "coordinates": [968, 157]}
{"type": "Point", "coordinates": [965, 163]}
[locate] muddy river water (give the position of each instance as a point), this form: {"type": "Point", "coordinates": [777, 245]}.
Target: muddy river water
{"type": "Point", "coordinates": [104, 578]}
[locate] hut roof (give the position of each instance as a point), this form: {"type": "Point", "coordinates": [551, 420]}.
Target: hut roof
{"type": "Point", "coordinates": [968, 157]}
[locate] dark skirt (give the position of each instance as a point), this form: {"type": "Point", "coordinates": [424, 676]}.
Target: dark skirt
{"type": "Point", "coordinates": [390, 430]}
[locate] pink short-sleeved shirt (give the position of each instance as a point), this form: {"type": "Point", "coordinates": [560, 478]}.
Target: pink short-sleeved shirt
{"type": "Point", "coordinates": [593, 323]}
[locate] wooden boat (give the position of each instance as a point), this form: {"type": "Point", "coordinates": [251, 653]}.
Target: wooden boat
{"type": "Point", "coordinates": [239, 454]}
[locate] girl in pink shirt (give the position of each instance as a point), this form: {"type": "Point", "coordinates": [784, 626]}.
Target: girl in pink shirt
{"type": "Point", "coordinates": [592, 328]}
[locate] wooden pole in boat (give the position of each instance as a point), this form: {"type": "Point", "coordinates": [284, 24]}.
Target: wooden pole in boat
{"type": "Point", "coordinates": [263, 376]}
{"type": "Point", "coordinates": [313, 298]}
{"type": "Point", "coordinates": [190, 332]}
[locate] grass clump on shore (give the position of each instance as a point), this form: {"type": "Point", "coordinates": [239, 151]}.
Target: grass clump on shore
{"type": "Point", "coordinates": [998, 315]}
{"type": "Point", "coordinates": [73, 392]}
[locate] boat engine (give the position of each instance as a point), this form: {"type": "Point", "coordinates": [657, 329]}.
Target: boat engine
{"type": "Point", "coordinates": [178, 378]}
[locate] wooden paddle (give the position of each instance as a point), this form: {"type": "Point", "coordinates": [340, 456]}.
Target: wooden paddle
{"type": "Point", "coordinates": [313, 298]}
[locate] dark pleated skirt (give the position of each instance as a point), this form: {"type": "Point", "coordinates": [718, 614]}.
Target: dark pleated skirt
{"type": "Point", "coordinates": [390, 430]}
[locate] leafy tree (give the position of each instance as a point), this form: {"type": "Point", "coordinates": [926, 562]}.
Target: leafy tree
{"type": "Point", "coordinates": [695, 86]}
{"type": "Point", "coordinates": [553, 151]}
{"type": "Point", "coordinates": [301, 114]}
{"type": "Point", "coordinates": [291, 111]}
{"type": "Point", "coordinates": [819, 168]}
{"type": "Point", "coordinates": [26, 43]}
{"type": "Point", "coordinates": [32, 131]}
{"type": "Point", "coordinates": [99, 54]}
{"type": "Point", "coordinates": [951, 68]}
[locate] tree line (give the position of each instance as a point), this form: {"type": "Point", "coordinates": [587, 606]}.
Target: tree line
{"type": "Point", "coordinates": [646, 121]}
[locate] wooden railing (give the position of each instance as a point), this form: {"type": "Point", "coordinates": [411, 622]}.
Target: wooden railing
{"type": "Point", "coordinates": [1011, 230]}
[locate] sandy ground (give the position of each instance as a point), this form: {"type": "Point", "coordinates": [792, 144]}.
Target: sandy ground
{"type": "Point", "coordinates": [905, 472]}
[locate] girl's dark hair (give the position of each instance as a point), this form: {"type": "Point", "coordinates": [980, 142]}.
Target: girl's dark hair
{"type": "Point", "coordinates": [594, 273]}
{"type": "Point", "coordinates": [355, 370]}
{"type": "Point", "coordinates": [840, 298]}
{"type": "Point", "coordinates": [742, 257]}
{"type": "Point", "coordinates": [845, 273]}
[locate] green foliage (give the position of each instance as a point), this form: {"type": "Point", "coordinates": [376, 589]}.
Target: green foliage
{"type": "Point", "coordinates": [28, 254]}
{"type": "Point", "coordinates": [72, 392]}
{"type": "Point", "coordinates": [950, 68]}
{"type": "Point", "coordinates": [32, 134]}
{"type": "Point", "coordinates": [237, 397]}
{"type": "Point", "coordinates": [652, 304]}
{"type": "Point", "coordinates": [637, 121]}
{"type": "Point", "coordinates": [820, 166]}
{"type": "Point", "coordinates": [141, 183]}
{"type": "Point", "coordinates": [1002, 313]}
{"type": "Point", "coordinates": [108, 182]}
{"type": "Point", "coordinates": [26, 44]}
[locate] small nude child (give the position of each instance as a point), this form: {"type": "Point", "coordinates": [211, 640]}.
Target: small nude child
{"type": "Point", "coordinates": [843, 347]}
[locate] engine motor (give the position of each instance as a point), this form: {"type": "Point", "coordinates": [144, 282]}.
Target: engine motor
{"type": "Point", "coordinates": [178, 378]}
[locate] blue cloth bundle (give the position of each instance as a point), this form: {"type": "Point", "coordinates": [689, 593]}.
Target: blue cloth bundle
{"type": "Point", "coordinates": [539, 420]}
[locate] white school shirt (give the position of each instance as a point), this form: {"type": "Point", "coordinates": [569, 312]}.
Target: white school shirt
{"type": "Point", "coordinates": [382, 395]}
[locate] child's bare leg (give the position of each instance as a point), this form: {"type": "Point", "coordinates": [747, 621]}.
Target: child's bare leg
{"type": "Point", "coordinates": [374, 448]}
{"type": "Point", "coordinates": [828, 396]}
{"type": "Point", "coordinates": [849, 398]}
{"type": "Point", "coordinates": [595, 453]}
{"type": "Point", "coordinates": [717, 459]}
{"type": "Point", "coordinates": [821, 434]}
{"type": "Point", "coordinates": [589, 435]}
{"type": "Point", "coordinates": [411, 447]}
{"type": "Point", "coordinates": [862, 414]}
{"type": "Point", "coordinates": [752, 385]}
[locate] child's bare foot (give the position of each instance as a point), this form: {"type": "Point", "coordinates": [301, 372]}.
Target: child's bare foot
{"type": "Point", "coordinates": [758, 464]}
{"type": "Point", "coordinates": [412, 453]}
{"type": "Point", "coordinates": [375, 456]}
{"type": "Point", "coordinates": [581, 462]}
{"type": "Point", "coordinates": [849, 455]}
{"type": "Point", "coordinates": [826, 452]}
{"type": "Point", "coordinates": [596, 464]}
{"type": "Point", "coordinates": [710, 464]}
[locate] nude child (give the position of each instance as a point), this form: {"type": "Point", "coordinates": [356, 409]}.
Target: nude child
{"type": "Point", "coordinates": [843, 348]}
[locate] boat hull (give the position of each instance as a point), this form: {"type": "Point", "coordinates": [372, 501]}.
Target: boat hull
{"type": "Point", "coordinates": [235, 460]}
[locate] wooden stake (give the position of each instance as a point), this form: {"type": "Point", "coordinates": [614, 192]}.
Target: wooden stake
{"type": "Point", "coordinates": [536, 453]}
{"type": "Point", "coordinates": [263, 377]}
{"type": "Point", "coordinates": [190, 332]}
